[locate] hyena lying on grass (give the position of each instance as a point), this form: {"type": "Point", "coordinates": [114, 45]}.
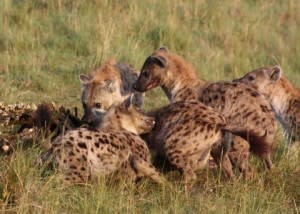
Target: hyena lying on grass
{"type": "Point", "coordinates": [106, 86]}
{"type": "Point", "coordinates": [83, 155]}
{"type": "Point", "coordinates": [248, 114]}
{"type": "Point", "coordinates": [281, 93]}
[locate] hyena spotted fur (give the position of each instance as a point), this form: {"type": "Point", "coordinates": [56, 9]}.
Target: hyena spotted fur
{"type": "Point", "coordinates": [282, 94]}
{"type": "Point", "coordinates": [83, 155]}
{"type": "Point", "coordinates": [108, 85]}
{"type": "Point", "coordinates": [186, 130]}
{"type": "Point", "coordinates": [248, 113]}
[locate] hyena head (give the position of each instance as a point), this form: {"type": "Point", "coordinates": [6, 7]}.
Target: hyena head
{"type": "Point", "coordinates": [154, 72]}
{"type": "Point", "coordinates": [263, 79]}
{"type": "Point", "coordinates": [99, 91]}
{"type": "Point", "coordinates": [127, 116]}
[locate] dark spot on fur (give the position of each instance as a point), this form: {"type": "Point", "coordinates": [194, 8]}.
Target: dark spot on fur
{"type": "Point", "coordinates": [69, 143]}
{"type": "Point", "coordinates": [186, 132]}
{"type": "Point", "coordinates": [71, 153]}
{"type": "Point", "coordinates": [73, 167]}
{"type": "Point", "coordinates": [82, 145]}
{"type": "Point", "coordinates": [88, 137]}
{"type": "Point", "coordinates": [71, 138]}
{"type": "Point", "coordinates": [223, 98]}
{"type": "Point", "coordinates": [248, 114]}
{"type": "Point", "coordinates": [97, 144]}
{"type": "Point", "coordinates": [254, 94]}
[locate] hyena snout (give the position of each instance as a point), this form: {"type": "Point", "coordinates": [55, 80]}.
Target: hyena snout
{"type": "Point", "coordinates": [137, 86]}
{"type": "Point", "coordinates": [142, 83]}
{"type": "Point", "coordinates": [91, 119]}
{"type": "Point", "coordinates": [147, 124]}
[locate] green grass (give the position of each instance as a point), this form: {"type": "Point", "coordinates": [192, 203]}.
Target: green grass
{"type": "Point", "coordinates": [45, 45]}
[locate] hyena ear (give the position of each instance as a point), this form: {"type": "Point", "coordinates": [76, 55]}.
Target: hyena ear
{"type": "Point", "coordinates": [84, 79]}
{"type": "Point", "coordinates": [110, 85]}
{"type": "Point", "coordinates": [275, 73]}
{"type": "Point", "coordinates": [112, 61]}
{"type": "Point", "coordinates": [160, 60]}
{"type": "Point", "coordinates": [163, 48]}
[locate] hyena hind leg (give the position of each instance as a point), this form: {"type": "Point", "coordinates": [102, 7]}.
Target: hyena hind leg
{"type": "Point", "coordinates": [145, 169]}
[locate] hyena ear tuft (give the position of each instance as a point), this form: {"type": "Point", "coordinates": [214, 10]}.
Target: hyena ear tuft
{"type": "Point", "coordinates": [275, 73]}
{"type": "Point", "coordinates": [160, 60]}
{"type": "Point", "coordinates": [84, 79]}
{"type": "Point", "coordinates": [110, 85]}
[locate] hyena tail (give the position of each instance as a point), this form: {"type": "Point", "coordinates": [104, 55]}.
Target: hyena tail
{"type": "Point", "coordinates": [220, 153]}
{"type": "Point", "coordinates": [226, 140]}
{"type": "Point", "coordinates": [143, 168]}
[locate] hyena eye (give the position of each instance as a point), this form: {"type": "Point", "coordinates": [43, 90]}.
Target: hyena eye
{"type": "Point", "coordinates": [251, 78]}
{"type": "Point", "coordinates": [98, 105]}
{"type": "Point", "coordinates": [146, 74]}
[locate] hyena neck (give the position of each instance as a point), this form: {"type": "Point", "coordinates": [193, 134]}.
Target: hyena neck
{"type": "Point", "coordinates": [179, 92]}
{"type": "Point", "coordinates": [182, 80]}
{"type": "Point", "coordinates": [282, 96]}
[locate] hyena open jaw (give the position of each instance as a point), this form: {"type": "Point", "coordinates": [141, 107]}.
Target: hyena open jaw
{"type": "Point", "coordinates": [83, 154]}
{"type": "Point", "coordinates": [186, 130]}
{"type": "Point", "coordinates": [281, 93]}
{"type": "Point", "coordinates": [106, 86]}
{"type": "Point", "coordinates": [248, 113]}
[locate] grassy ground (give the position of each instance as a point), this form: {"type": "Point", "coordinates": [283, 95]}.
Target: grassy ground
{"type": "Point", "coordinates": [45, 45]}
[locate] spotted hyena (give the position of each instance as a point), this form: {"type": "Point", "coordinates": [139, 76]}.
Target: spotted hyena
{"type": "Point", "coordinates": [108, 85]}
{"type": "Point", "coordinates": [84, 154]}
{"type": "Point", "coordinates": [281, 93]}
{"type": "Point", "coordinates": [186, 130]}
{"type": "Point", "coordinates": [248, 113]}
